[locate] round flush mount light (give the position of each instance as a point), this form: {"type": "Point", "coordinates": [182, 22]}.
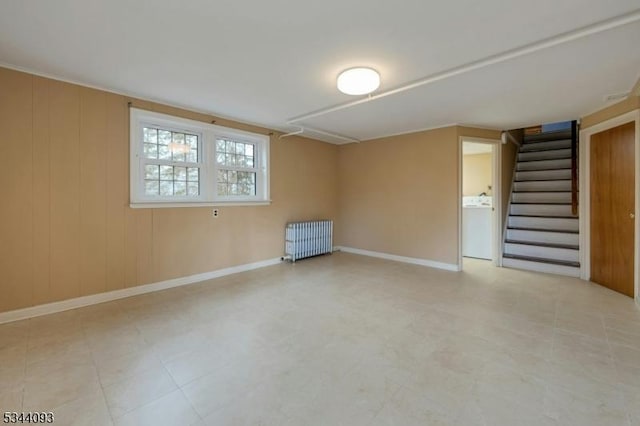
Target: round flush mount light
{"type": "Point", "coordinates": [358, 81]}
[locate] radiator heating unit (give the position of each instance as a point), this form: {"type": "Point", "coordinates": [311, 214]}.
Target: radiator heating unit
{"type": "Point", "coordinates": [306, 239]}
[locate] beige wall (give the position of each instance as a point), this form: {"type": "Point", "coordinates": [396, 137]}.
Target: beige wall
{"type": "Point", "coordinates": [476, 174]}
{"type": "Point", "coordinates": [66, 229]}
{"type": "Point", "coordinates": [399, 195]}
{"type": "Point", "coordinates": [65, 226]}
{"type": "Point", "coordinates": [627, 105]}
{"type": "Point", "coordinates": [473, 132]}
{"type": "Point", "coordinates": [508, 156]}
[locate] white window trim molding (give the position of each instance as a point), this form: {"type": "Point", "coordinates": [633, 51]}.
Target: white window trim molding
{"type": "Point", "coordinates": [158, 205]}
{"type": "Point", "coordinates": [207, 133]}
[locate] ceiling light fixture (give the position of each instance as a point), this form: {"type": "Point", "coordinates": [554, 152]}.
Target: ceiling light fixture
{"type": "Point", "coordinates": [358, 81]}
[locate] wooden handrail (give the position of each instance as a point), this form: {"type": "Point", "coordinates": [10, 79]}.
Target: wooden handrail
{"type": "Point", "coordinates": [574, 168]}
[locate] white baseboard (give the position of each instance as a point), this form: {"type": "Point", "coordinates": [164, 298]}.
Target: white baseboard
{"type": "Point", "coordinates": [412, 260]}
{"type": "Point", "coordinates": [78, 302]}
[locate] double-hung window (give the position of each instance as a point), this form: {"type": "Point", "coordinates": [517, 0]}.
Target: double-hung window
{"type": "Point", "coordinates": [177, 162]}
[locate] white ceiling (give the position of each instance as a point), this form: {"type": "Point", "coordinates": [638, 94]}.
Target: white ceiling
{"type": "Point", "coordinates": [267, 62]}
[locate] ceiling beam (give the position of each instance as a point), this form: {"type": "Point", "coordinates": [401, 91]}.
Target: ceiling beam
{"type": "Point", "coordinates": [598, 27]}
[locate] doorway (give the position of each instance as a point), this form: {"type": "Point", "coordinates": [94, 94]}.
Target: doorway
{"type": "Point", "coordinates": [613, 208]}
{"type": "Point", "coordinates": [610, 161]}
{"type": "Point", "coordinates": [480, 223]}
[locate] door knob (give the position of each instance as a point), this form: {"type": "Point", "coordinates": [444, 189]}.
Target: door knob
{"type": "Point", "coordinates": [632, 216]}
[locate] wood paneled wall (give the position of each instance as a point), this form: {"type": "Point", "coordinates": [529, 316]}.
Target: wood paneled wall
{"type": "Point", "coordinates": [399, 195]}
{"type": "Point", "coordinates": [66, 229]}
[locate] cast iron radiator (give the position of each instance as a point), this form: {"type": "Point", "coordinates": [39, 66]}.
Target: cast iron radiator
{"type": "Point", "coordinates": [306, 239]}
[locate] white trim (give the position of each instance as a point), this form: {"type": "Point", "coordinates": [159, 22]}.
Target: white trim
{"type": "Point", "coordinates": [207, 165]}
{"type": "Point", "coordinates": [496, 190]}
{"type": "Point", "coordinates": [497, 203]}
{"type": "Point", "coordinates": [404, 259]}
{"type": "Point", "coordinates": [207, 204]}
{"type": "Point", "coordinates": [79, 302]}
{"type": "Point", "coordinates": [347, 139]}
{"type": "Point", "coordinates": [585, 196]}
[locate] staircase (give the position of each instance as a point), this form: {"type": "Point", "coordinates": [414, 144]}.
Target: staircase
{"type": "Point", "coordinates": [542, 231]}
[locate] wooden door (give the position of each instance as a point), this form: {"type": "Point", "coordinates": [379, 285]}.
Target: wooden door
{"type": "Point", "coordinates": [613, 208]}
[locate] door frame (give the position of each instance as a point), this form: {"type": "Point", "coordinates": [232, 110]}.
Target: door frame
{"type": "Point", "coordinates": [496, 189]}
{"type": "Point", "coordinates": [585, 196]}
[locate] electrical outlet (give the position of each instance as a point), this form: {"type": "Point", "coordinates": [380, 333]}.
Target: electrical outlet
{"type": "Point", "coordinates": [216, 213]}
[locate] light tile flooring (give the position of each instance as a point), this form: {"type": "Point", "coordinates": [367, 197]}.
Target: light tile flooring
{"type": "Point", "coordinates": [337, 340]}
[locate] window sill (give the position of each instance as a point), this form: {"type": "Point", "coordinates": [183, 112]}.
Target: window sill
{"type": "Point", "coordinates": [166, 205]}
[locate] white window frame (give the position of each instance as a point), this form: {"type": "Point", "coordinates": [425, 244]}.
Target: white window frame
{"type": "Point", "coordinates": [207, 136]}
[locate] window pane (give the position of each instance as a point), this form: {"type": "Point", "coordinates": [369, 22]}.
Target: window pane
{"type": "Point", "coordinates": [180, 173]}
{"type": "Point", "coordinates": [180, 188]}
{"type": "Point", "coordinates": [192, 141]}
{"type": "Point", "coordinates": [193, 174]}
{"type": "Point", "coordinates": [178, 137]}
{"type": "Point", "coordinates": [166, 188]}
{"type": "Point", "coordinates": [152, 172]}
{"type": "Point", "coordinates": [164, 137]}
{"type": "Point", "coordinates": [246, 177]}
{"type": "Point", "coordinates": [193, 189]}
{"type": "Point", "coordinates": [250, 155]}
{"type": "Point", "coordinates": [164, 153]}
{"type": "Point", "coordinates": [246, 181]}
{"type": "Point", "coordinates": [168, 181]}
{"type": "Point", "coordinates": [238, 183]}
{"type": "Point", "coordinates": [150, 150]}
{"type": "Point", "coordinates": [235, 154]}
{"type": "Point", "coordinates": [246, 189]}
{"type": "Point", "coordinates": [166, 172]}
{"type": "Point", "coordinates": [179, 156]}
{"type": "Point", "coordinates": [172, 163]}
{"type": "Point", "coordinates": [151, 187]}
{"type": "Point", "coordinates": [150, 135]}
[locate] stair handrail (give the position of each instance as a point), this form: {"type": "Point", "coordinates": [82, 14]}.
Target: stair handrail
{"type": "Point", "coordinates": [574, 168]}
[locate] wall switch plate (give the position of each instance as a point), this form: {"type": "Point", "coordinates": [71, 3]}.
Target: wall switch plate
{"type": "Point", "coordinates": [216, 213]}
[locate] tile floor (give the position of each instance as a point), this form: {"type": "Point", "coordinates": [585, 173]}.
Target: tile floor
{"type": "Point", "coordinates": [337, 340]}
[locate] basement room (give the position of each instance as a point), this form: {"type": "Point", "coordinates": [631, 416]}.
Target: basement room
{"type": "Point", "coordinates": [327, 213]}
